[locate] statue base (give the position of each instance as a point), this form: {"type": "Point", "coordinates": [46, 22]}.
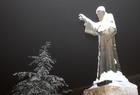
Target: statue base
{"type": "Point", "coordinates": [129, 89]}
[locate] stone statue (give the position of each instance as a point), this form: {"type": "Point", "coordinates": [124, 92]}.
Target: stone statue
{"type": "Point", "coordinates": [105, 29]}
{"type": "Point", "coordinates": [110, 80]}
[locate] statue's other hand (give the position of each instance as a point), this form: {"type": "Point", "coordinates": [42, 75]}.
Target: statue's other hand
{"type": "Point", "coordinates": [82, 17]}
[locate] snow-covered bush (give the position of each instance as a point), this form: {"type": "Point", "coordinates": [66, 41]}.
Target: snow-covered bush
{"type": "Point", "coordinates": [40, 81]}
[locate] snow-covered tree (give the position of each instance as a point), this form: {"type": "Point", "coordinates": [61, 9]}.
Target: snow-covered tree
{"type": "Point", "coordinates": [40, 81]}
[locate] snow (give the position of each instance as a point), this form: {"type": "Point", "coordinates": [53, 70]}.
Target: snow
{"type": "Point", "coordinates": [123, 88]}
{"type": "Point", "coordinates": [113, 76]}
{"type": "Point", "coordinates": [117, 78]}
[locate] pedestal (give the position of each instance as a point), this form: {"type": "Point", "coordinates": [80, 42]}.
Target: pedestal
{"type": "Point", "coordinates": [112, 90]}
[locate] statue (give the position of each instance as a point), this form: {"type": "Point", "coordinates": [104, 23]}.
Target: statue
{"type": "Point", "coordinates": [105, 29]}
{"type": "Point", "coordinates": [110, 80]}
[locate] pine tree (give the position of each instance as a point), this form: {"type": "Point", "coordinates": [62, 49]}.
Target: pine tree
{"type": "Point", "coordinates": [40, 81]}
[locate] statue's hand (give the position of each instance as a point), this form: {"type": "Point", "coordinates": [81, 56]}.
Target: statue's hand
{"type": "Point", "coordinates": [82, 17]}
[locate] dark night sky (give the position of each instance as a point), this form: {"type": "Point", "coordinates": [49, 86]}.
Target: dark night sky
{"type": "Point", "coordinates": [27, 24]}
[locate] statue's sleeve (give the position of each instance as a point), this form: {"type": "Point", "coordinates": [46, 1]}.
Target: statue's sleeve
{"type": "Point", "coordinates": [91, 27]}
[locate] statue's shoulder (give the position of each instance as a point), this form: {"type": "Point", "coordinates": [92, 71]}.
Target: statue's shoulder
{"type": "Point", "coordinates": [110, 14]}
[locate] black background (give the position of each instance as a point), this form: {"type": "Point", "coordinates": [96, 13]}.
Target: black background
{"type": "Point", "coordinates": [27, 24]}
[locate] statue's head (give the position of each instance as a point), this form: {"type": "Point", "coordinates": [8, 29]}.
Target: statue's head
{"type": "Point", "coordinates": [100, 11]}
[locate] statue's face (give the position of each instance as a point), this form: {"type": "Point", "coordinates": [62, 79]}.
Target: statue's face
{"type": "Point", "coordinates": [100, 14]}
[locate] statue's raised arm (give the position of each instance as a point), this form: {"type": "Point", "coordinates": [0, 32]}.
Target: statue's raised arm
{"type": "Point", "coordinates": [90, 26]}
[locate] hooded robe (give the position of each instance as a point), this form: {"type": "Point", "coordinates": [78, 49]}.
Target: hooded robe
{"type": "Point", "coordinates": [107, 53]}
